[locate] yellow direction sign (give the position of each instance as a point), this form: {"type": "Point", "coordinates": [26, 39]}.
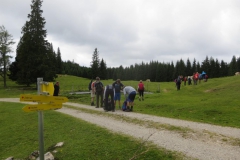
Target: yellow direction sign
{"type": "Point", "coordinates": [48, 88]}
{"type": "Point", "coordinates": [41, 107]}
{"type": "Point", "coordinates": [43, 98]}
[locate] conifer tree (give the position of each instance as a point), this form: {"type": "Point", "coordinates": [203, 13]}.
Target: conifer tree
{"type": "Point", "coordinates": [194, 66]}
{"type": "Point", "coordinates": [34, 54]}
{"type": "Point", "coordinates": [188, 70]}
{"type": "Point", "coordinates": [95, 64]}
{"type": "Point", "coordinates": [6, 41]}
{"type": "Point", "coordinates": [217, 69]}
{"type": "Point", "coordinates": [223, 69]}
{"type": "Point", "coordinates": [232, 66]}
{"type": "Point", "coordinates": [59, 61]}
{"type": "Point", "coordinates": [103, 70]}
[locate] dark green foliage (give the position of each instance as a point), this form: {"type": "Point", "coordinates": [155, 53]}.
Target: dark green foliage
{"type": "Point", "coordinates": [103, 70]}
{"type": "Point", "coordinates": [165, 72]}
{"type": "Point", "coordinates": [5, 47]}
{"type": "Point", "coordinates": [98, 69]}
{"type": "Point", "coordinates": [35, 56]}
{"type": "Point", "coordinates": [59, 64]}
{"type": "Point", "coordinates": [75, 69]}
{"type": "Point", "coordinates": [233, 67]}
{"type": "Point", "coordinates": [95, 64]}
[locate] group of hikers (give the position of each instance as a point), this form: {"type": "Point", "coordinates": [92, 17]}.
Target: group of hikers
{"type": "Point", "coordinates": [107, 96]}
{"type": "Point", "coordinates": [196, 78]}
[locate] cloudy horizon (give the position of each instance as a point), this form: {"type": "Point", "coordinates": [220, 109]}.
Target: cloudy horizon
{"type": "Point", "coordinates": [136, 31]}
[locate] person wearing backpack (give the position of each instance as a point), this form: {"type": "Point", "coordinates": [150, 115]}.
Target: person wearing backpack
{"type": "Point", "coordinates": [92, 92]}
{"type": "Point", "coordinates": [141, 90]}
{"type": "Point", "coordinates": [109, 91]}
{"type": "Point", "coordinates": [178, 83]}
{"type": "Point", "coordinates": [98, 88]}
{"type": "Point", "coordinates": [130, 94]}
{"type": "Point", "coordinates": [118, 87]}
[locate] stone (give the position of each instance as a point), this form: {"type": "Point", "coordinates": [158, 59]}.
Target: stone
{"type": "Point", "coordinates": [47, 156]}
{"type": "Point", "coordinates": [60, 144]}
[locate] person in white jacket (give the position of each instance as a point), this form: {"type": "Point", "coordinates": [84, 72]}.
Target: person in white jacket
{"type": "Point", "coordinates": [130, 94]}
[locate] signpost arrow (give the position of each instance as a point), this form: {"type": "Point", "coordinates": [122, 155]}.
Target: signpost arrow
{"type": "Point", "coordinates": [41, 107]}
{"type": "Point", "coordinates": [43, 98]}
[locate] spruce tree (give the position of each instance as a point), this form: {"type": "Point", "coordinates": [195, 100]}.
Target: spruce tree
{"type": "Point", "coordinates": [59, 62]}
{"type": "Point", "coordinates": [95, 64]}
{"type": "Point", "coordinates": [34, 53]}
{"type": "Point", "coordinates": [103, 70]}
{"type": "Point", "coordinates": [223, 69]}
{"type": "Point", "coordinates": [233, 66]}
{"type": "Point", "coordinates": [188, 70]}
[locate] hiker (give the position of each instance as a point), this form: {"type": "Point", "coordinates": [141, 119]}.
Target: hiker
{"type": "Point", "coordinates": [92, 91]}
{"type": "Point", "coordinates": [118, 86]}
{"type": "Point", "coordinates": [56, 89]}
{"type": "Point", "coordinates": [109, 91]}
{"type": "Point", "coordinates": [178, 83]}
{"type": "Point", "coordinates": [130, 94]}
{"type": "Point", "coordinates": [189, 80]}
{"type": "Point", "coordinates": [141, 90]}
{"type": "Point", "coordinates": [98, 88]}
{"type": "Point", "coordinates": [185, 80]}
{"type": "Point", "coordinates": [195, 78]}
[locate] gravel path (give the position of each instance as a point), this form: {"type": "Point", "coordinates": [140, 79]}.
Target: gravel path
{"type": "Point", "coordinates": [197, 140]}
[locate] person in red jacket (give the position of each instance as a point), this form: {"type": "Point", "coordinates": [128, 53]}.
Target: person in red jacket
{"type": "Point", "coordinates": [141, 90]}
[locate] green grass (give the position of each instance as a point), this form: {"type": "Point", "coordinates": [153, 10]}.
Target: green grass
{"type": "Point", "coordinates": [215, 102]}
{"type": "Point", "coordinates": [82, 140]}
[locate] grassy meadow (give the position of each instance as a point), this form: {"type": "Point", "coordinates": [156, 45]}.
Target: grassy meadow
{"type": "Point", "coordinates": [19, 138]}
{"type": "Point", "coordinates": [214, 102]}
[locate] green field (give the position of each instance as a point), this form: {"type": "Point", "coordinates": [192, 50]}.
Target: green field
{"type": "Point", "coordinates": [215, 102]}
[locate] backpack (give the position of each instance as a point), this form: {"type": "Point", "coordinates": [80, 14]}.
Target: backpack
{"type": "Point", "coordinates": [90, 86]}
{"type": "Point", "coordinates": [179, 81]}
{"type": "Point", "coordinates": [124, 106]}
{"type": "Point", "coordinates": [98, 87]}
{"type": "Point", "coordinates": [141, 87]}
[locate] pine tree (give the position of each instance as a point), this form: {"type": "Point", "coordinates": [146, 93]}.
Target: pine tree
{"type": "Point", "coordinates": [194, 66]}
{"type": "Point", "coordinates": [188, 70]}
{"type": "Point", "coordinates": [233, 66]}
{"type": "Point", "coordinates": [6, 41]}
{"type": "Point", "coordinates": [217, 68]}
{"type": "Point", "coordinates": [206, 65]}
{"type": "Point", "coordinates": [95, 64]}
{"type": "Point", "coordinates": [211, 69]}
{"type": "Point", "coordinates": [223, 69]}
{"type": "Point", "coordinates": [238, 64]}
{"type": "Point", "coordinates": [59, 61]}
{"type": "Point", "coordinates": [103, 70]}
{"type": "Point", "coordinates": [34, 54]}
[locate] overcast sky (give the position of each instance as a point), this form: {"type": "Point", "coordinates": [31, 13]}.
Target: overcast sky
{"type": "Point", "coordinates": [126, 32]}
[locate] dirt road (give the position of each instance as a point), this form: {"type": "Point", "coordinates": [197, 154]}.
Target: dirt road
{"type": "Point", "coordinates": [195, 140]}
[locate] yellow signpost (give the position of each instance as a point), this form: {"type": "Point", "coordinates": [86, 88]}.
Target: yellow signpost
{"type": "Point", "coordinates": [41, 107]}
{"type": "Point", "coordinates": [42, 98]}
{"type": "Point", "coordinates": [45, 102]}
{"type": "Point", "coordinates": [47, 88]}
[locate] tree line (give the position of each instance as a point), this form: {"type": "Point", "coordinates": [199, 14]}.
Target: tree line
{"type": "Point", "coordinates": [35, 57]}
{"type": "Point", "coordinates": [166, 72]}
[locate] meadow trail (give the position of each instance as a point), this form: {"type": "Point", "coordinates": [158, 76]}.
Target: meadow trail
{"type": "Point", "coordinates": [195, 140]}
